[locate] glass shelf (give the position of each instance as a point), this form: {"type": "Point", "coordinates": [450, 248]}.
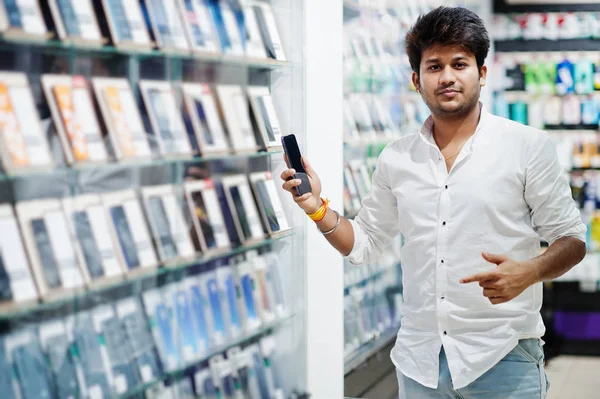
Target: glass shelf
{"type": "Point", "coordinates": [368, 349]}
{"type": "Point", "coordinates": [184, 371]}
{"type": "Point", "coordinates": [77, 169]}
{"type": "Point", "coordinates": [47, 310]}
{"type": "Point", "coordinates": [358, 143]}
{"type": "Point", "coordinates": [59, 47]}
{"type": "Point", "coordinates": [364, 281]}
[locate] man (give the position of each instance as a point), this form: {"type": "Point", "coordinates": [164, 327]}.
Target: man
{"type": "Point", "coordinates": [471, 194]}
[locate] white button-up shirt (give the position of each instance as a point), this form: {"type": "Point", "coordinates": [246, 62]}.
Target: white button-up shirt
{"type": "Point", "coordinates": [504, 191]}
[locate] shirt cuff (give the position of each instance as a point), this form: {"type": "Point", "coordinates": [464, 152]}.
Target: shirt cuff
{"type": "Point", "coordinates": [579, 232]}
{"type": "Point", "coordinates": [356, 256]}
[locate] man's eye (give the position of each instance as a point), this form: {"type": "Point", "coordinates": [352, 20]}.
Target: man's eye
{"type": "Point", "coordinates": [433, 67]}
{"type": "Point", "coordinates": [461, 65]}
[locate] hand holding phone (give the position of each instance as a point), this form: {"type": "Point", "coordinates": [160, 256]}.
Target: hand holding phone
{"type": "Point", "coordinates": [294, 161]}
{"type": "Point", "coordinates": [300, 179]}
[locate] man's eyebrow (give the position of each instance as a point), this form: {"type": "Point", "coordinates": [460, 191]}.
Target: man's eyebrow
{"type": "Point", "coordinates": [457, 58]}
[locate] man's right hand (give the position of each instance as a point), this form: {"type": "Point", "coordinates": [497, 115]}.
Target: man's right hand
{"type": "Point", "coordinates": [309, 202]}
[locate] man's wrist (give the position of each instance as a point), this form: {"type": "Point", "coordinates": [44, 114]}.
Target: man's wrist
{"type": "Point", "coordinates": [533, 271]}
{"type": "Point", "coordinates": [320, 203]}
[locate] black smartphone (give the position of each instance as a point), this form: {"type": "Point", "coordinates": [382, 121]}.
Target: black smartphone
{"type": "Point", "coordinates": [292, 151]}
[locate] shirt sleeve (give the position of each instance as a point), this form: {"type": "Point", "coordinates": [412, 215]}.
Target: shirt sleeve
{"type": "Point", "coordinates": [376, 224]}
{"type": "Point", "coordinates": [554, 213]}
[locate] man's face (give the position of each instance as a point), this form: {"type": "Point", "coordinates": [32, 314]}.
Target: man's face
{"type": "Point", "coordinates": [450, 82]}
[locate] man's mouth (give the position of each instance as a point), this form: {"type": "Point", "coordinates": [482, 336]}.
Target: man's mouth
{"type": "Point", "coordinates": [448, 91]}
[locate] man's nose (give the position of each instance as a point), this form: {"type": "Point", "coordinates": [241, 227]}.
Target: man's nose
{"type": "Point", "coordinates": [447, 77]}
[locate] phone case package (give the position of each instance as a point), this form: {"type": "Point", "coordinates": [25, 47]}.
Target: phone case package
{"type": "Point", "coordinates": [24, 353]}
{"type": "Point", "coordinates": [217, 316]}
{"type": "Point", "coordinates": [202, 108]}
{"type": "Point", "coordinates": [265, 295]}
{"type": "Point", "coordinates": [23, 145]}
{"type": "Point", "coordinates": [245, 280]}
{"type": "Point", "coordinates": [9, 385]}
{"type": "Point", "coordinates": [16, 281]}
{"type": "Point", "coordinates": [185, 329]}
{"type": "Point", "coordinates": [76, 21]}
{"type": "Point", "coordinates": [265, 116]}
{"type": "Point", "coordinates": [143, 351]}
{"type": "Point", "coordinates": [75, 118]}
{"type": "Point", "coordinates": [167, 24]}
{"type": "Point", "coordinates": [165, 118]}
{"type": "Point", "coordinates": [263, 367]}
{"type": "Point", "coordinates": [96, 249]}
{"type": "Point", "coordinates": [22, 19]}
{"type": "Point", "coordinates": [50, 247]}
{"type": "Point", "coordinates": [120, 372]}
{"type": "Point", "coordinates": [244, 373]}
{"type": "Point", "coordinates": [126, 23]}
{"type": "Point", "coordinates": [226, 27]}
{"type": "Point", "coordinates": [122, 118]}
{"type": "Point", "coordinates": [200, 313]}
{"type": "Point", "coordinates": [250, 32]}
{"type": "Point", "coordinates": [275, 284]}
{"type": "Point", "coordinates": [209, 224]}
{"type": "Point", "coordinates": [128, 225]}
{"type": "Point", "coordinates": [243, 208]}
{"type": "Point", "coordinates": [205, 386]}
{"type": "Point", "coordinates": [199, 26]}
{"type": "Point", "coordinates": [222, 375]}
{"type": "Point", "coordinates": [269, 31]}
{"type": "Point", "coordinates": [228, 294]}
{"type": "Point", "coordinates": [57, 347]}
{"type": "Point", "coordinates": [170, 231]}
{"type": "Point", "coordinates": [160, 314]}
{"type": "Point", "coordinates": [236, 114]}
{"type": "Point", "coordinates": [91, 361]}
{"type": "Point", "coordinates": [269, 203]}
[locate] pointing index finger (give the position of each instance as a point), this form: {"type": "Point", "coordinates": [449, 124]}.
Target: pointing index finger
{"type": "Point", "coordinates": [486, 276]}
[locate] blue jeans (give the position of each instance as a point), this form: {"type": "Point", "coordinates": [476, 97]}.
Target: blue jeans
{"type": "Point", "coordinates": [520, 375]}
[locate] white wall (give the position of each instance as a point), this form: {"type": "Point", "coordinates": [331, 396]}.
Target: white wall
{"type": "Point", "coordinates": [324, 148]}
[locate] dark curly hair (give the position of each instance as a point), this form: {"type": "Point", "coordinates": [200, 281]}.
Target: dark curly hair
{"type": "Point", "coordinates": [447, 26]}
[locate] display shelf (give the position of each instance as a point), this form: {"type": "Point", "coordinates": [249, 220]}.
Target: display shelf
{"type": "Point", "coordinates": [528, 95]}
{"type": "Point", "coordinates": [367, 142]}
{"type": "Point", "coordinates": [502, 46]}
{"type": "Point", "coordinates": [59, 47]}
{"type": "Point", "coordinates": [364, 281]}
{"type": "Point", "coordinates": [88, 298]}
{"type": "Point", "coordinates": [77, 169]}
{"type": "Point", "coordinates": [593, 128]}
{"type": "Point", "coordinates": [369, 349]}
{"type": "Point", "coordinates": [351, 215]}
{"type": "Point", "coordinates": [583, 169]}
{"type": "Point", "coordinates": [189, 368]}
{"type": "Point", "coordinates": [353, 10]}
{"type": "Point", "coordinates": [507, 6]}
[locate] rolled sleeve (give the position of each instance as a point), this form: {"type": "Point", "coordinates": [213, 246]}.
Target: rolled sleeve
{"type": "Point", "coordinates": [376, 224]}
{"type": "Point", "coordinates": [554, 213]}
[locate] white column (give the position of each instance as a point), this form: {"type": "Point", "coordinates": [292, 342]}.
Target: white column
{"type": "Point", "coordinates": [324, 149]}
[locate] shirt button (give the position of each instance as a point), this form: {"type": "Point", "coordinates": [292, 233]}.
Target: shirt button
{"type": "Point", "coordinates": [442, 260]}
{"type": "Point", "coordinates": [446, 187]}
{"type": "Point", "coordinates": [443, 224]}
{"type": "Point", "coordinates": [443, 297]}
{"type": "Point", "coordinates": [445, 333]}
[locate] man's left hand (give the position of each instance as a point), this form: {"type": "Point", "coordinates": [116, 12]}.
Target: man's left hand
{"type": "Point", "coordinates": [506, 282]}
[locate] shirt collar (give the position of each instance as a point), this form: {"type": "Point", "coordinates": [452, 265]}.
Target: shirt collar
{"type": "Point", "coordinates": [427, 129]}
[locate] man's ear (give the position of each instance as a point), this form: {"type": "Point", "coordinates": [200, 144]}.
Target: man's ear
{"type": "Point", "coordinates": [482, 75]}
{"type": "Point", "coordinates": [416, 82]}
